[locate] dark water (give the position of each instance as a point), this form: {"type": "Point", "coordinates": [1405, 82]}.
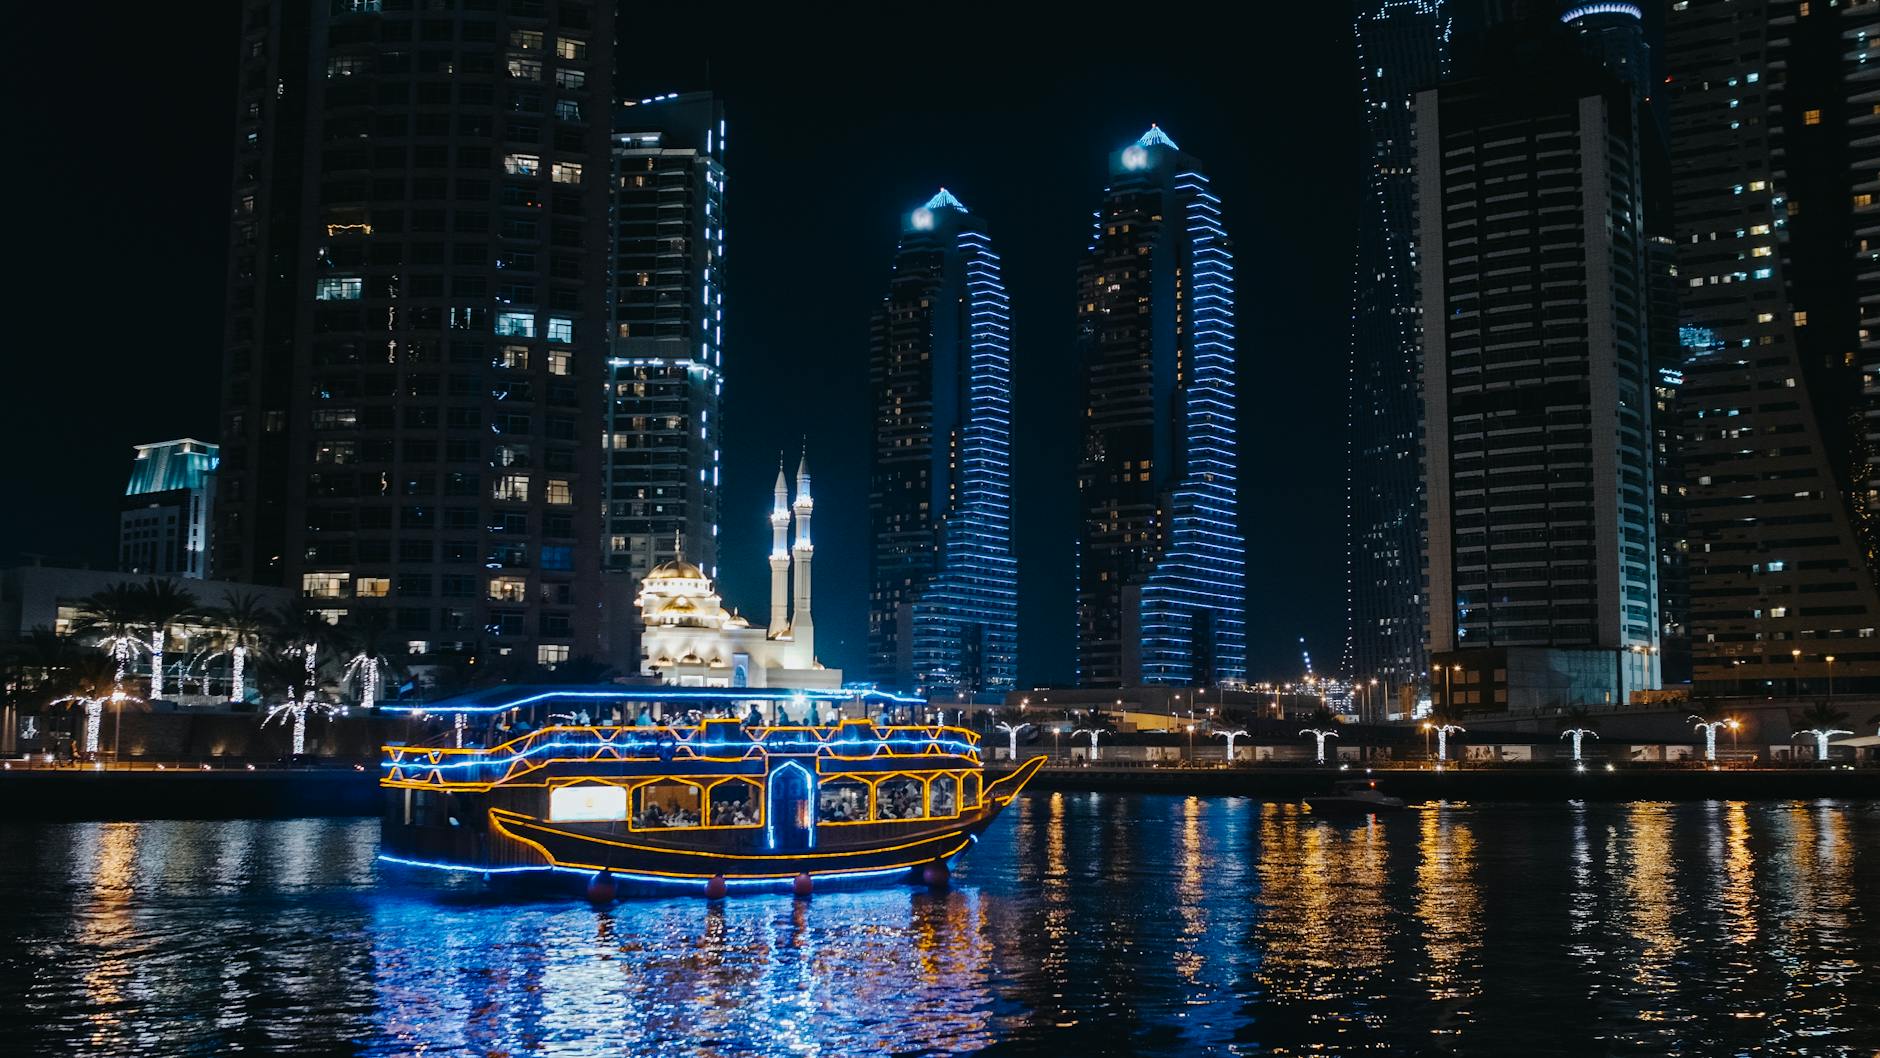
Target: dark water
{"type": "Point", "coordinates": [1082, 925]}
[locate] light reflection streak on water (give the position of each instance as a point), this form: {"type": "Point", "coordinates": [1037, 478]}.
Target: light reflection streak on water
{"type": "Point", "coordinates": [1448, 913]}
{"type": "Point", "coordinates": [1083, 925]}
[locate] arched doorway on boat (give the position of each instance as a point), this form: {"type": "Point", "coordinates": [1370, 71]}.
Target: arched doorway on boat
{"type": "Point", "coordinates": [790, 803]}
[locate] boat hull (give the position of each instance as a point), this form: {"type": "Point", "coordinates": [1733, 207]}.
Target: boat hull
{"type": "Point", "coordinates": [500, 834]}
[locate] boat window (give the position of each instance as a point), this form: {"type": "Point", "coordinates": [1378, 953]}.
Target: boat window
{"type": "Point", "coordinates": [735, 804]}
{"type": "Point", "coordinates": [942, 799]}
{"type": "Point", "coordinates": [842, 801]}
{"type": "Point", "coordinates": [969, 794]}
{"type": "Point", "coordinates": [899, 799]}
{"type": "Point", "coordinates": [666, 804]}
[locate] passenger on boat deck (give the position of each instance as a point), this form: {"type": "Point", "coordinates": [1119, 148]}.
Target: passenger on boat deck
{"type": "Point", "coordinates": [645, 719]}
{"type": "Point", "coordinates": [753, 718]}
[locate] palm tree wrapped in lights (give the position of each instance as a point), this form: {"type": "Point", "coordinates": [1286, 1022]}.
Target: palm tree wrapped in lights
{"type": "Point", "coordinates": [368, 637]}
{"type": "Point", "coordinates": [1230, 736]}
{"type": "Point", "coordinates": [1324, 726]}
{"type": "Point", "coordinates": [1577, 723]}
{"type": "Point", "coordinates": [113, 619]}
{"type": "Point", "coordinates": [296, 710]}
{"type": "Point", "coordinates": [304, 632]}
{"type": "Point", "coordinates": [243, 626]}
{"type": "Point", "coordinates": [1710, 729]}
{"type": "Point", "coordinates": [1822, 719]}
{"type": "Point", "coordinates": [1094, 733]}
{"type": "Point", "coordinates": [162, 604]}
{"type": "Point", "coordinates": [1011, 737]}
{"type": "Point", "coordinates": [92, 690]}
{"type": "Point", "coordinates": [1445, 723]}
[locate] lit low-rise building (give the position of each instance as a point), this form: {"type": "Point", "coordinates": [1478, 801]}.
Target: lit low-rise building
{"type": "Point", "coordinates": [689, 638]}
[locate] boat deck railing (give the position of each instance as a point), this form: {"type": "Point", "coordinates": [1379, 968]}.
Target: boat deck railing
{"type": "Point", "coordinates": [714, 741]}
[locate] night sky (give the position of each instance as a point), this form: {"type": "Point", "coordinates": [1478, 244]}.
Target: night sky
{"type": "Point", "coordinates": [119, 184]}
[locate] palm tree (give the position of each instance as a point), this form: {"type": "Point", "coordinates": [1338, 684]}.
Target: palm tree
{"type": "Point", "coordinates": [368, 638]}
{"type": "Point", "coordinates": [302, 633]}
{"type": "Point", "coordinates": [113, 619]}
{"type": "Point", "coordinates": [92, 683]}
{"type": "Point", "coordinates": [1576, 723]}
{"type": "Point", "coordinates": [1444, 720]}
{"type": "Point", "coordinates": [242, 625]}
{"type": "Point", "coordinates": [279, 675]}
{"type": "Point", "coordinates": [161, 604]}
{"type": "Point", "coordinates": [1823, 718]}
{"type": "Point", "coordinates": [1324, 725]}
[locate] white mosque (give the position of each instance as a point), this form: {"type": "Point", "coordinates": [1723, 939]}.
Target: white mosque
{"type": "Point", "coordinates": [688, 637]}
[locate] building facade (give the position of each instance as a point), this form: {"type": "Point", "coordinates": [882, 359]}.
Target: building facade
{"type": "Point", "coordinates": [417, 318]}
{"type": "Point", "coordinates": [1403, 46]}
{"type": "Point", "coordinates": [665, 375]}
{"type": "Point", "coordinates": [943, 584]}
{"type": "Point", "coordinates": [165, 521]}
{"type": "Point", "coordinates": [1161, 562]}
{"type": "Point", "coordinates": [1767, 102]}
{"type": "Point", "coordinates": [1536, 385]}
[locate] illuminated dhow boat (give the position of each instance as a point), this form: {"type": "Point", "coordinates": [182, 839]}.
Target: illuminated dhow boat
{"type": "Point", "coordinates": [711, 806]}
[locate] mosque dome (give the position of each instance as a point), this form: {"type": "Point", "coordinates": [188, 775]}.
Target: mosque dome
{"type": "Point", "coordinates": [677, 569]}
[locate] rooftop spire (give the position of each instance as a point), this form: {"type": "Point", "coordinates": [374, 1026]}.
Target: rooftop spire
{"type": "Point", "coordinates": [1155, 137]}
{"type": "Point", "coordinates": [945, 200]}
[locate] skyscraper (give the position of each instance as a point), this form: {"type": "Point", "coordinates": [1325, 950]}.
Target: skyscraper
{"type": "Point", "coordinates": [417, 317]}
{"type": "Point", "coordinates": [169, 506]}
{"type": "Point", "coordinates": [1775, 251]}
{"type": "Point", "coordinates": [663, 439]}
{"type": "Point", "coordinates": [1536, 382]}
{"type": "Point", "coordinates": [1403, 46]}
{"type": "Point", "coordinates": [1161, 563]}
{"type": "Point", "coordinates": [943, 591]}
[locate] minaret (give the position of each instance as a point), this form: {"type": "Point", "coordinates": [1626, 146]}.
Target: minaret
{"type": "Point", "coordinates": [804, 631]}
{"type": "Point", "coordinates": [780, 557]}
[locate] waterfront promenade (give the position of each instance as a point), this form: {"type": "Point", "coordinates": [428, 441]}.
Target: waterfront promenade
{"type": "Point", "coordinates": [202, 790]}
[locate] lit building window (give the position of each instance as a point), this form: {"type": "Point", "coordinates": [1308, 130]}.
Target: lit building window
{"type": "Point", "coordinates": [324, 585]}
{"type": "Point", "coordinates": [572, 80]}
{"type": "Point", "coordinates": [516, 325]}
{"type": "Point", "coordinates": [509, 589]}
{"type": "Point", "coordinates": [525, 69]}
{"type": "Point", "coordinates": [340, 288]}
{"type": "Point", "coordinates": [558, 362]}
{"type": "Point", "coordinates": [513, 488]}
{"type": "Point", "coordinates": [525, 39]}
{"type": "Point", "coordinates": [566, 172]}
{"type": "Point", "coordinates": [551, 653]}
{"type": "Point", "coordinates": [372, 587]}
{"type": "Point", "coordinates": [560, 329]}
{"type": "Point", "coordinates": [1801, 317]}
{"type": "Point", "coordinates": [514, 357]}
{"type": "Point", "coordinates": [570, 48]}
{"type": "Point", "coordinates": [522, 164]}
{"type": "Point", "coordinates": [1811, 117]}
{"type": "Point", "coordinates": [559, 492]}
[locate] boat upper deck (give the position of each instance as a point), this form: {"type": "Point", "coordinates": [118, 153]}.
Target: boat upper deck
{"type": "Point", "coordinates": [710, 747]}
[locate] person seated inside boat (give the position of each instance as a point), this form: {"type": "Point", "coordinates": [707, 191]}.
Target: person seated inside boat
{"type": "Point", "coordinates": [753, 718]}
{"type": "Point", "coordinates": [645, 719]}
{"type": "Point", "coordinates": [942, 799]}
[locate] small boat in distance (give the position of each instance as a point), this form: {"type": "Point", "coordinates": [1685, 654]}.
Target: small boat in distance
{"type": "Point", "coordinates": [709, 806]}
{"type": "Point", "coordinates": [1354, 797]}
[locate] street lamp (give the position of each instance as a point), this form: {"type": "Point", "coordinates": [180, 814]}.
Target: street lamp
{"type": "Point", "coordinates": [1797, 655]}
{"type": "Point", "coordinates": [1830, 660]}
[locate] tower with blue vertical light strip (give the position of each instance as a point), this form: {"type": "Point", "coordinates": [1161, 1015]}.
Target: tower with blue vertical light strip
{"type": "Point", "coordinates": [1161, 563]}
{"type": "Point", "coordinates": [943, 595]}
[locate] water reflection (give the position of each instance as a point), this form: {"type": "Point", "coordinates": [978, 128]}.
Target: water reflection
{"type": "Point", "coordinates": [1083, 924]}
